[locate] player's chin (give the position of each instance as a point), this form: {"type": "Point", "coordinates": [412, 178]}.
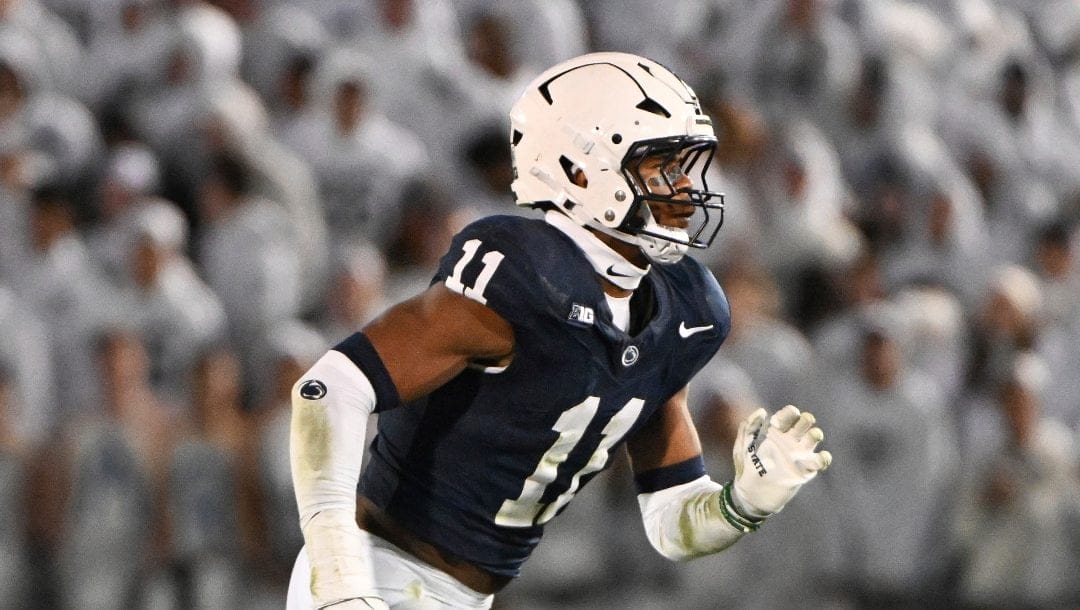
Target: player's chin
{"type": "Point", "coordinates": [673, 215]}
{"type": "Point", "coordinates": [674, 221]}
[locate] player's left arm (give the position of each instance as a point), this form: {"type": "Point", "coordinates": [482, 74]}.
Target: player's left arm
{"type": "Point", "coordinates": [687, 514]}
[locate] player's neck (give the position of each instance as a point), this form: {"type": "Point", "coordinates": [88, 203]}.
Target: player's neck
{"type": "Point", "coordinates": [613, 290]}
{"type": "Point", "coordinates": [630, 252]}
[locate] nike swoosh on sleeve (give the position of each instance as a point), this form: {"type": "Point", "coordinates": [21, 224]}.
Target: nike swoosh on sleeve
{"type": "Point", "coordinates": [685, 331]}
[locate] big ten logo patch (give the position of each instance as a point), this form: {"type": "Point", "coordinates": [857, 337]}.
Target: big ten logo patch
{"type": "Point", "coordinates": [582, 314]}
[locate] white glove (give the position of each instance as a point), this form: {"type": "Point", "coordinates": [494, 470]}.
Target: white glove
{"type": "Point", "coordinates": [771, 466]}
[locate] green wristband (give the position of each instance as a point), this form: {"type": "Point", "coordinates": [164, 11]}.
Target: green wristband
{"type": "Point", "coordinates": [732, 516]}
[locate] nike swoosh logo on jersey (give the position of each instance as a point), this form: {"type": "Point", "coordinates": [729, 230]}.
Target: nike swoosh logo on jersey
{"type": "Point", "coordinates": [612, 272]}
{"type": "Point", "coordinates": [685, 331]}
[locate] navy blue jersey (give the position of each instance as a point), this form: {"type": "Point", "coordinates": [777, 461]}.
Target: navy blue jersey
{"type": "Point", "coordinates": [482, 463]}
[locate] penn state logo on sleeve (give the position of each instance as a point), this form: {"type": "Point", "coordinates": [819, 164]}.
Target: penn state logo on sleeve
{"type": "Point", "coordinates": [313, 389]}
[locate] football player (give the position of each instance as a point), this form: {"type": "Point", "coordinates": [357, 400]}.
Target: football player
{"type": "Point", "coordinates": [541, 347]}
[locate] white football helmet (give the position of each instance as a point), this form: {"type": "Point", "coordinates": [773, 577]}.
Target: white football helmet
{"type": "Point", "coordinates": [597, 116]}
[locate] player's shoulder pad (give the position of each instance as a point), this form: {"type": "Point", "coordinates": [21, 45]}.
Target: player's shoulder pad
{"type": "Point", "coordinates": [501, 262]}
{"type": "Point", "coordinates": [502, 230]}
{"type": "Point", "coordinates": [702, 288]}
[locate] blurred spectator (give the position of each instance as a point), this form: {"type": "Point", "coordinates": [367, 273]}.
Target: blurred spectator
{"type": "Point", "coordinates": [1060, 329]}
{"type": "Point", "coordinates": [916, 33]}
{"type": "Point", "coordinates": [294, 107]}
{"type": "Point", "coordinates": [652, 29]}
{"type": "Point", "coordinates": [28, 417]}
{"type": "Point", "coordinates": [944, 245]}
{"type": "Point", "coordinates": [893, 435]}
{"type": "Point", "coordinates": [932, 220]}
{"type": "Point", "coordinates": [845, 293]}
{"type": "Point", "coordinates": [802, 200]}
{"type": "Point", "coordinates": [207, 471]}
{"type": "Point", "coordinates": [58, 136]}
{"type": "Point", "coordinates": [1056, 265]}
{"type": "Point", "coordinates": [215, 35]}
{"type": "Point", "coordinates": [361, 159]}
{"type": "Point", "coordinates": [802, 55]}
{"type": "Point", "coordinates": [111, 525]}
{"type": "Point", "coordinates": [540, 32]}
{"type": "Point", "coordinates": [420, 78]}
{"type": "Point", "coordinates": [245, 250]}
{"type": "Point", "coordinates": [1006, 324]}
{"type": "Point", "coordinates": [129, 183]}
{"type": "Point", "coordinates": [867, 131]}
{"type": "Point", "coordinates": [355, 292]}
{"type": "Point", "coordinates": [935, 341]}
{"type": "Point", "coordinates": [176, 312]}
{"type": "Point", "coordinates": [497, 70]}
{"type": "Point", "coordinates": [128, 45]}
{"type": "Point", "coordinates": [273, 34]}
{"type": "Point", "coordinates": [428, 223]}
{"type": "Point", "coordinates": [54, 42]}
{"type": "Point", "coordinates": [163, 113]}
{"type": "Point", "coordinates": [14, 565]}
{"type": "Point", "coordinates": [1045, 142]}
{"type": "Point", "coordinates": [420, 20]}
{"type": "Point", "coordinates": [64, 287]}
{"type": "Point", "coordinates": [234, 123]}
{"type": "Point", "coordinates": [14, 213]}
{"type": "Point", "coordinates": [487, 172]}
{"type": "Point", "coordinates": [776, 355]}
{"type": "Point", "coordinates": [1020, 154]}
{"type": "Point", "coordinates": [203, 59]}
{"type": "Point", "coordinates": [1019, 497]}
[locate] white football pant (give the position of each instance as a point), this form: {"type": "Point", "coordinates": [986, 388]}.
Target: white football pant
{"type": "Point", "coordinates": [403, 581]}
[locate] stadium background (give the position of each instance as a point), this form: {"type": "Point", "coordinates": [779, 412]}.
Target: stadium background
{"type": "Point", "coordinates": [197, 198]}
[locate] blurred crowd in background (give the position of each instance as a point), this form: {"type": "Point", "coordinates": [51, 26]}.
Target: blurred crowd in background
{"type": "Point", "coordinates": [198, 198]}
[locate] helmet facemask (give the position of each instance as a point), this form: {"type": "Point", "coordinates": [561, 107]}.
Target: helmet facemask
{"type": "Point", "coordinates": [671, 172]}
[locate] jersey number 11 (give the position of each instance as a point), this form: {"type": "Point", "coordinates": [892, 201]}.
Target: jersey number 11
{"type": "Point", "coordinates": [527, 509]}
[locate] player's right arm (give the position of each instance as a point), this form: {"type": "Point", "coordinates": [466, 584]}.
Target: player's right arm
{"type": "Point", "coordinates": [410, 350]}
{"type": "Point", "coordinates": [426, 341]}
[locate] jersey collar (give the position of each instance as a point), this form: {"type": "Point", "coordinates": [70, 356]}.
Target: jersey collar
{"type": "Point", "coordinates": [607, 262]}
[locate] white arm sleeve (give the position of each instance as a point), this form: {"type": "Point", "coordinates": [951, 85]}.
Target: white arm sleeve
{"type": "Point", "coordinates": [687, 521]}
{"type": "Point", "coordinates": [331, 404]}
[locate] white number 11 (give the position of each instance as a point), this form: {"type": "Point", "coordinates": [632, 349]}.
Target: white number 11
{"type": "Point", "coordinates": [527, 509]}
{"type": "Point", "coordinates": [490, 261]}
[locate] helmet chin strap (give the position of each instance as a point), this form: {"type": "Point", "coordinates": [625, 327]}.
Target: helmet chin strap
{"type": "Point", "coordinates": [661, 251]}
{"type": "Point", "coordinates": [664, 245]}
